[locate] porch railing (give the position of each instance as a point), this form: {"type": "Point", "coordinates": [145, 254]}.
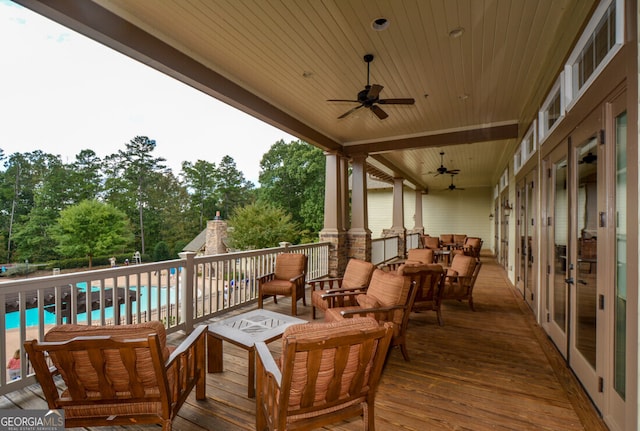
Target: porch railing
{"type": "Point", "coordinates": [180, 293]}
{"type": "Point", "coordinates": [385, 249]}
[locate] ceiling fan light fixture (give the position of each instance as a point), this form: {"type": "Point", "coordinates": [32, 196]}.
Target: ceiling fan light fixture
{"type": "Point", "coordinates": [380, 24]}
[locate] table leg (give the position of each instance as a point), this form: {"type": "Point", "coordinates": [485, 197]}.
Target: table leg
{"type": "Point", "coordinates": [214, 354]}
{"type": "Point", "coordinates": [251, 381]}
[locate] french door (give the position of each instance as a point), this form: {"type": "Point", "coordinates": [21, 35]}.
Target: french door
{"type": "Point", "coordinates": [526, 204]}
{"type": "Point", "coordinates": [556, 202]}
{"type": "Point", "coordinates": [587, 237]}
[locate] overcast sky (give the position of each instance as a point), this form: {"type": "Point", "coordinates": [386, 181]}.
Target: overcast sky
{"type": "Point", "coordinates": [61, 92]}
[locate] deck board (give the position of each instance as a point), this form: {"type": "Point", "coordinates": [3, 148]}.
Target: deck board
{"type": "Point", "coordinates": [493, 369]}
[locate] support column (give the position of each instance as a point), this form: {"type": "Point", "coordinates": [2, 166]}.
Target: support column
{"type": "Point", "coordinates": [397, 229]}
{"type": "Point", "coordinates": [359, 235]}
{"type": "Point", "coordinates": [418, 224]}
{"type": "Point", "coordinates": [333, 230]}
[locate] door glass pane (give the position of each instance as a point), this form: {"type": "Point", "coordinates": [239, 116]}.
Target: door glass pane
{"type": "Point", "coordinates": [587, 236]}
{"type": "Point", "coordinates": [522, 234]}
{"type": "Point", "coordinates": [529, 282]}
{"type": "Point", "coordinates": [620, 307]}
{"type": "Point", "coordinates": [560, 234]}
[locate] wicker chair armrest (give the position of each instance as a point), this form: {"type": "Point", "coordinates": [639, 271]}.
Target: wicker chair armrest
{"type": "Point", "coordinates": [319, 283]}
{"type": "Point", "coordinates": [266, 277]}
{"type": "Point", "coordinates": [188, 360]}
{"type": "Point", "coordinates": [297, 277]}
{"type": "Point", "coordinates": [187, 344]}
{"type": "Point", "coordinates": [270, 365]}
{"type": "Point", "coordinates": [342, 292]}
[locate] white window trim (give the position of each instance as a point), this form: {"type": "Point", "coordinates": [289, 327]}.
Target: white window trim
{"type": "Point", "coordinates": [570, 67]}
{"type": "Point", "coordinates": [543, 132]}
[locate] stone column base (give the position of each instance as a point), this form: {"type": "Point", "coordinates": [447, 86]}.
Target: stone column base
{"type": "Point", "coordinates": [337, 251]}
{"type": "Point", "coordinates": [359, 244]}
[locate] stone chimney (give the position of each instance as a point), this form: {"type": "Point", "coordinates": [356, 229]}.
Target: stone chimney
{"type": "Point", "coordinates": [216, 236]}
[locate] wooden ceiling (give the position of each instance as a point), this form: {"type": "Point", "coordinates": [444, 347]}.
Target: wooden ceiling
{"type": "Point", "coordinates": [477, 69]}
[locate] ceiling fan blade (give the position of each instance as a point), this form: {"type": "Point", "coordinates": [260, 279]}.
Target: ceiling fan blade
{"type": "Point", "coordinates": [374, 92]}
{"type": "Point", "coordinates": [342, 100]}
{"type": "Point", "coordinates": [349, 112]}
{"type": "Point", "coordinates": [453, 171]}
{"type": "Point", "coordinates": [379, 112]}
{"type": "Point", "coordinates": [407, 101]}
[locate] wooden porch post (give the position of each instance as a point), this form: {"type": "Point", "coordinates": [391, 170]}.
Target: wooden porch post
{"type": "Point", "coordinates": [398, 229]}
{"type": "Point", "coordinates": [359, 234]}
{"type": "Point", "coordinates": [334, 214]}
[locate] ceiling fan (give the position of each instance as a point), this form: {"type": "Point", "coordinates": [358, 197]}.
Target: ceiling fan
{"type": "Point", "coordinates": [442, 170]}
{"type": "Point", "coordinates": [452, 186]}
{"type": "Point", "coordinates": [369, 97]}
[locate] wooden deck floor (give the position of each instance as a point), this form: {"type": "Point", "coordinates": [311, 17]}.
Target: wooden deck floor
{"type": "Point", "coordinates": [493, 369]}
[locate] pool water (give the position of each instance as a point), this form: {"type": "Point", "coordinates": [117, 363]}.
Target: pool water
{"type": "Point", "coordinates": [13, 319]}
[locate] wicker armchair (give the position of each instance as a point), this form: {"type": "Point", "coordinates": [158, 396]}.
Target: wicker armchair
{"type": "Point", "coordinates": [460, 279]}
{"type": "Point", "coordinates": [288, 279]}
{"type": "Point", "coordinates": [357, 276]}
{"type": "Point", "coordinates": [388, 298]}
{"type": "Point", "coordinates": [328, 372]}
{"type": "Point", "coordinates": [429, 280]}
{"type": "Point", "coordinates": [118, 375]}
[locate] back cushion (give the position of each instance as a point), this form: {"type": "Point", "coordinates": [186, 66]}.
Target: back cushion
{"type": "Point", "coordinates": [463, 265]}
{"type": "Point", "coordinates": [431, 242]}
{"type": "Point", "coordinates": [388, 288]}
{"type": "Point", "coordinates": [446, 238]}
{"type": "Point", "coordinates": [358, 273]}
{"type": "Point", "coordinates": [289, 265]}
{"type": "Point", "coordinates": [423, 255]}
{"type": "Point", "coordinates": [115, 370]}
{"type": "Point", "coordinates": [322, 332]}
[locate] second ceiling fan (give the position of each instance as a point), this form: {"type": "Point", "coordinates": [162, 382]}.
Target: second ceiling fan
{"type": "Point", "coordinates": [442, 170]}
{"type": "Point", "coordinates": [370, 97]}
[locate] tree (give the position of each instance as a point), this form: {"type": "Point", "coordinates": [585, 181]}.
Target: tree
{"type": "Point", "coordinates": [261, 225]}
{"type": "Point", "coordinates": [292, 177]}
{"type": "Point", "coordinates": [129, 174]}
{"type": "Point", "coordinates": [233, 189]}
{"type": "Point", "coordinates": [92, 228]}
{"type": "Point", "coordinates": [201, 179]}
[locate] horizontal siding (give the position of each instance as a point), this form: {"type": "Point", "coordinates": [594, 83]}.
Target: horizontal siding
{"type": "Point", "coordinates": [462, 211]}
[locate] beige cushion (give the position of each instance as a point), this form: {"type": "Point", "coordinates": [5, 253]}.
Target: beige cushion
{"type": "Point", "coordinates": [289, 265]}
{"type": "Point", "coordinates": [115, 370]}
{"type": "Point", "coordinates": [367, 301]}
{"type": "Point", "coordinates": [463, 265]}
{"type": "Point", "coordinates": [358, 273]}
{"type": "Point", "coordinates": [423, 255]}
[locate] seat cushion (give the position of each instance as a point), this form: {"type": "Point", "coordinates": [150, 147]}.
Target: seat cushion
{"type": "Point", "coordinates": [277, 287]}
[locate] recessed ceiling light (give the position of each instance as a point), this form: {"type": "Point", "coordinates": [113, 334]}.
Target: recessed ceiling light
{"type": "Point", "coordinates": [380, 24]}
{"type": "Point", "coordinates": [456, 32]}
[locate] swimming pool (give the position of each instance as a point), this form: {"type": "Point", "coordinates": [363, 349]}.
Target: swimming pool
{"type": "Point", "coordinates": [13, 319]}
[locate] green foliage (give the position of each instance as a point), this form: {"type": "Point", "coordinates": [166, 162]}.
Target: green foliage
{"type": "Point", "coordinates": [261, 225]}
{"type": "Point", "coordinates": [161, 252]}
{"type": "Point", "coordinates": [292, 178]}
{"type": "Point", "coordinates": [91, 228]}
{"type": "Point", "coordinates": [35, 187]}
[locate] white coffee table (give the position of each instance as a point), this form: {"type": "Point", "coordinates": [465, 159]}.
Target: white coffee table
{"type": "Point", "coordinates": [244, 330]}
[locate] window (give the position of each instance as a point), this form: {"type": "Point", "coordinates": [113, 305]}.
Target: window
{"type": "Point", "coordinates": [552, 109]}
{"type": "Point", "coordinates": [599, 42]}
